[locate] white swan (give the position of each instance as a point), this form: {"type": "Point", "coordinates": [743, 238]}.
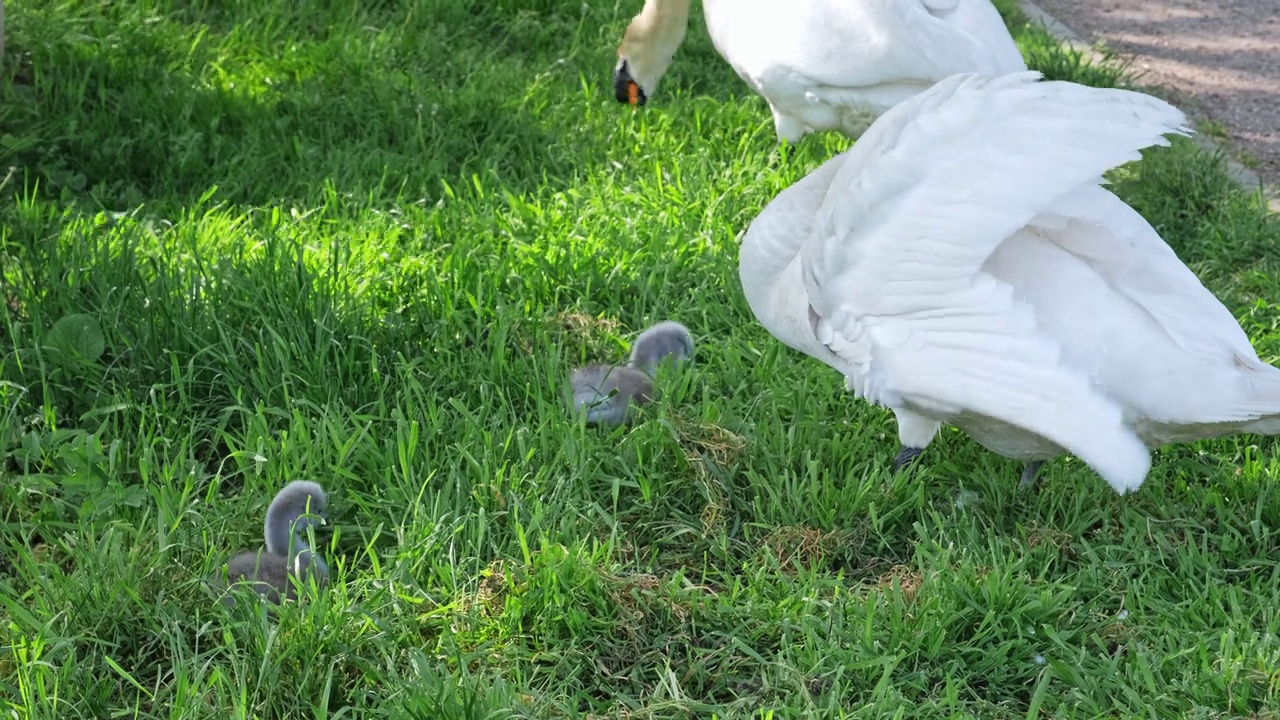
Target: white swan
{"type": "Point", "coordinates": [962, 264]}
{"type": "Point", "coordinates": [823, 64]}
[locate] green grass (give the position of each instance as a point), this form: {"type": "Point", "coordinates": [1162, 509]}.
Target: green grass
{"type": "Point", "coordinates": [364, 243]}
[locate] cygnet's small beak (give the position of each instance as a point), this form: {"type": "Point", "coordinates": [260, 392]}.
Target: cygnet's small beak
{"type": "Point", "coordinates": [625, 88]}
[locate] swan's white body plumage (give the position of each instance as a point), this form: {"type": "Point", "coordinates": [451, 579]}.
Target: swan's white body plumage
{"type": "Point", "coordinates": [836, 64]}
{"type": "Point", "coordinates": [962, 264]}
{"type": "Point", "coordinates": [839, 64]}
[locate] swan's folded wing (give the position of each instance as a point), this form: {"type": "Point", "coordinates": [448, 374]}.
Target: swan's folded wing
{"type": "Point", "coordinates": [934, 186]}
{"type": "Point", "coordinates": [1122, 247]}
{"type": "Point", "coordinates": [988, 360]}
{"type": "Point", "coordinates": [895, 277]}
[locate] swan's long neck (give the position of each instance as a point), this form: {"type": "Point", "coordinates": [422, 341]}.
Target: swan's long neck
{"type": "Point", "coordinates": [652, 39]}
{"type": "Point", "coordinates": [284, 531]}
{"type": "Point", "coordinates": [279, 532]}
{"type": "Point", "coordinates": [780, 231]}
{"type": "Point", "coordinates": [771, 271]}
{"type": "Point", "coordinates": [772, 243]}
{"type": "Point", "coordinates": [661, 20]}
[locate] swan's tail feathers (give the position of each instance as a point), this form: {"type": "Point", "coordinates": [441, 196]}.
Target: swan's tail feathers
{"type": "Point", "coordinates": [1262, 403]}
{"type": "Point", "coordinates": [1120, 458]}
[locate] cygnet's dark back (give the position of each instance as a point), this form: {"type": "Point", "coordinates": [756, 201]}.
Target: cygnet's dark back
{"type": "Point", "coordinates": [267, 573]}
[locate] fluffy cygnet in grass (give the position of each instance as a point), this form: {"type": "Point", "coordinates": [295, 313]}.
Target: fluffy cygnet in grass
{"type": "Point", "coordinates": [298, 506]}
{"type": "Point", "coordinates": [606, 392]}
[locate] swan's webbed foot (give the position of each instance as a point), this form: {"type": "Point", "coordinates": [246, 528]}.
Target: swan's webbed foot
{"type": "Point", "coordinates": [1030, 474]}
{"type": "Point", "coordinates": [906, 456]}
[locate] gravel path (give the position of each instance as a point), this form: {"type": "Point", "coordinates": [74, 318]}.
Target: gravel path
{"type": "Point", "coordinates": [1221, 59]}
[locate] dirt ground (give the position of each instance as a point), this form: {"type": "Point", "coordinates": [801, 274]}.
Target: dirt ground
{"type": "Point", "coordinates": [1221, 59]}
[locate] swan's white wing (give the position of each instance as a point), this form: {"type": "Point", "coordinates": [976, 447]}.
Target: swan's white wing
{"type": "Point", "coordinates": [1125, 251]}
{"type": "Point", "coordinates": [937, 183]}
{"type": "Point", "coordinates": [895, 275]}
{"type": "Point", "coordinates": [1122, 247]}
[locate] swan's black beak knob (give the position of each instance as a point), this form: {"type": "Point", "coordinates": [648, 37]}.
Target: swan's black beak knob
{"type": "Point", "coordinates": [625, 88]}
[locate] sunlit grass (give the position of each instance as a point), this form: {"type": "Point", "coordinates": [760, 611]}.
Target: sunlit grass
{"type": "Point", "coordinates": [363, 243]}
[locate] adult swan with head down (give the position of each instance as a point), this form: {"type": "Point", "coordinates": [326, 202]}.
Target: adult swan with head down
{"type": "Point", "coordinates": [823, 64]}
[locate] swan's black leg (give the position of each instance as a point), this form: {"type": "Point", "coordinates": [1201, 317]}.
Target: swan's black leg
{"type": "Point", "coordinates": [906, 456]}
{"type": "Point", "coordinates": [1029, 474]}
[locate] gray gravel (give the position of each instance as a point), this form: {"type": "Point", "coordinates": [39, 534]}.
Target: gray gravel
{"type": "Point", "coordinates": [1221, 59]}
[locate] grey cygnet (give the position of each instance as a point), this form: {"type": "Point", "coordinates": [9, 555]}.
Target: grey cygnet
{"type": "Point", "coordinates": [298, 506]}
{"type": "Point", "coordinates": [606, 392]}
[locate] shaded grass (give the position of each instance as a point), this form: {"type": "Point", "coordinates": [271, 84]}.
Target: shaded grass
{"type": "Point", "coordinates": [364, 242]}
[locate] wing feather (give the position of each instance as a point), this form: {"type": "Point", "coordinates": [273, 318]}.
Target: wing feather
{"type": "Point", "coordinates": [1125, 250]}
{"type": "Point", "coordinates": [915, 210]}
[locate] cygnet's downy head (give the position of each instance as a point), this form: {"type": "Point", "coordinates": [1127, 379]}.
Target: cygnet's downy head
{"type": "Point", "coordinates": [664, 341]}
{"type": "Point", "coordinates": [604, 393]}
{"type": "Point", "coordinates": [648, 45]}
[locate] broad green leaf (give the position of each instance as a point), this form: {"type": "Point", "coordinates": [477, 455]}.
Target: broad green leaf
{"type": "Point", "coordinates": [77, 338]}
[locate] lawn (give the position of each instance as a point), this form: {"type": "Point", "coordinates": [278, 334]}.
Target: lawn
{"type": "Point", "coordinates": [364, 243]}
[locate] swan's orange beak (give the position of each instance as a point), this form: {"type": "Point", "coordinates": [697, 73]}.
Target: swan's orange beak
{"type": "Point", "coordinates": [625, 88]}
